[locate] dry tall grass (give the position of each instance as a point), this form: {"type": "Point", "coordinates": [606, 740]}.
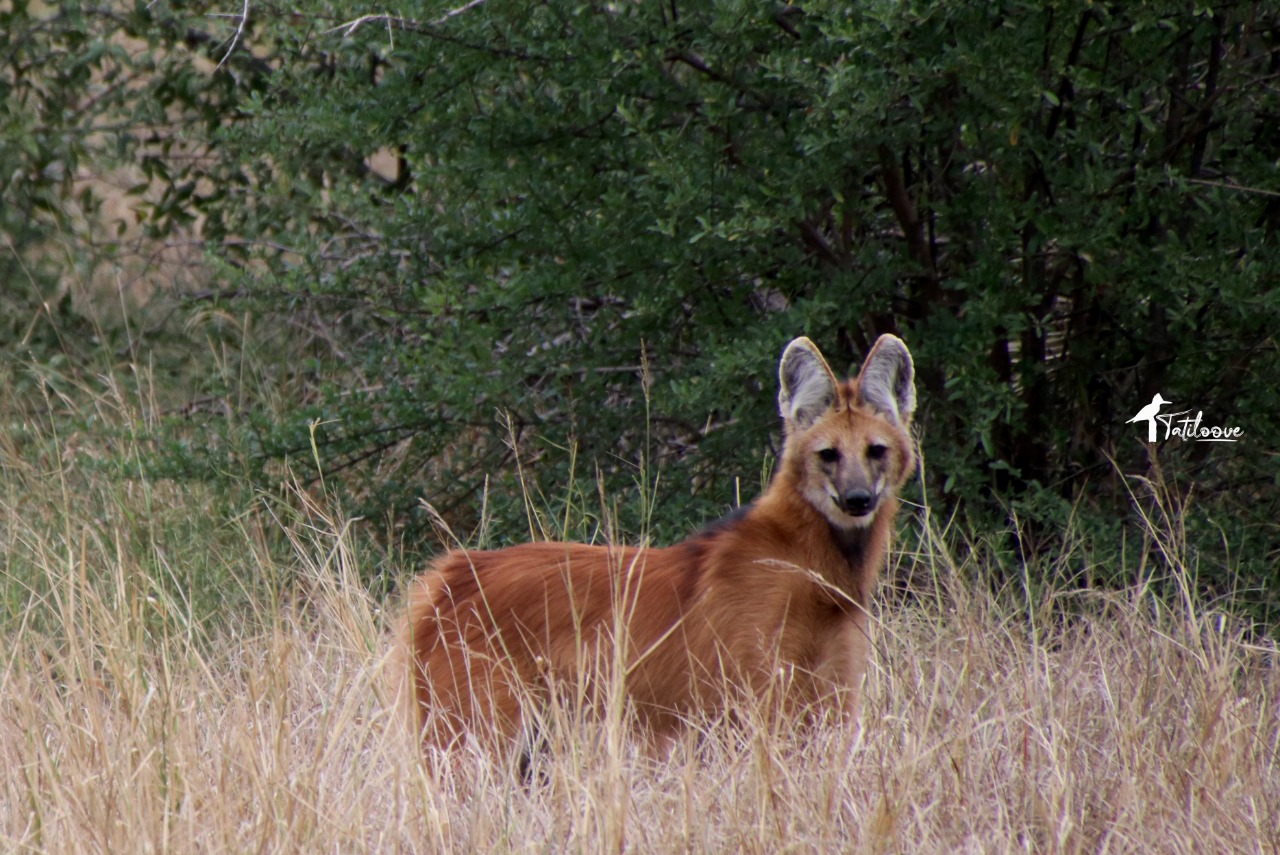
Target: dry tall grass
{"type": "Point", "coordinates": [132, 722]}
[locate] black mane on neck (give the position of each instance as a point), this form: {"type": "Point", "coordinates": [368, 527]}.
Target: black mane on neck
{"type": "Point", "coordinates": [852, 542]}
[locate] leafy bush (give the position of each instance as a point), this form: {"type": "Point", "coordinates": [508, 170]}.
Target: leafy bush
{"type": "Point", "coordinates": [566, 234]}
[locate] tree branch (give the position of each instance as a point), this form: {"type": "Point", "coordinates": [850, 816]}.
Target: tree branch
{"type": "Point", "coordinates": [236, 36]}
{"type": "Point", "coordinates": [904, 209]}
{"type": "Point", "coordinates": [406, 24]}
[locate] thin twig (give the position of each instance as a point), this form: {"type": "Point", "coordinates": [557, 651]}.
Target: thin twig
{"type": "Point", "coordinates": [455, 12]}
{"type": "Point", "coordinates": [236, 36]}
{"type": "Point", "coordinates": [1237, 187]}
{"type": "Point", "coordinates": [350, 27]}
{"type": "Point", "coordinates": [407, 24]}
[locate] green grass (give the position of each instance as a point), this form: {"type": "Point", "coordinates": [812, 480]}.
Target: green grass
{"type": "Point", "coordinates": [188, 670]}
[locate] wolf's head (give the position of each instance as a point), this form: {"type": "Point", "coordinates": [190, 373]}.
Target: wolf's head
{"type": "Point", "coordinates": [847, 442]}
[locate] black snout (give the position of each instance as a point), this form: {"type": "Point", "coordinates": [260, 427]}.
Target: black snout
{"type": "Point", "coordinates": [857, 503]}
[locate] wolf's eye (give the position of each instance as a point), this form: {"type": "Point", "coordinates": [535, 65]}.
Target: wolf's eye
{"type": "Point", "coordinates": [828, 455]}
{"type": "Point", "coordinates": [875, 452]}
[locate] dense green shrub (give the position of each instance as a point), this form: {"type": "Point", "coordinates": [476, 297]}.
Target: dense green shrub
{"type": "Point", "coordinates": [1065, 208]}
{"type": "Point", "coordinates": [581, 233]}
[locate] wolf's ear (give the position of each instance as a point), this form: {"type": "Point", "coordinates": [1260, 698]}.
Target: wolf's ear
{"type": "Point", "coordinates": [887, 380]}
{"type": "Point", "coordinates": [807, 388]}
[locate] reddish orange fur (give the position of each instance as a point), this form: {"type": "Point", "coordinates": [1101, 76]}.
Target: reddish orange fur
{"type": "Point", "coordinates": [775, 599]}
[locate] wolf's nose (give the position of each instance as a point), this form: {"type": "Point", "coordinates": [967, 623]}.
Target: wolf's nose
{"type": "Point", "coordinates": [858, 502]}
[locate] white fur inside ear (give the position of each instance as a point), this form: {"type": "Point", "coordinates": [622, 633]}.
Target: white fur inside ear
{"type": "Point", "coordinates": [807, 388]}
{"type": "Point", "coordinates": [887, 380]}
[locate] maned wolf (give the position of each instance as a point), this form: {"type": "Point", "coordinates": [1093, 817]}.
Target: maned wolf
{"type": "Point", "coordinates": [770, 602]}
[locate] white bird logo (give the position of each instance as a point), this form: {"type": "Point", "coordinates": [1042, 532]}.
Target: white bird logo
{"type": "Point", "coordinates": [1149, 413]}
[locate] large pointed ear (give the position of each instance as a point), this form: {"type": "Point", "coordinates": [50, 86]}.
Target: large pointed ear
{"type": "Point", "coordinates": [807, 388]}
{"type": "Point", "coordinates": [887, 380]}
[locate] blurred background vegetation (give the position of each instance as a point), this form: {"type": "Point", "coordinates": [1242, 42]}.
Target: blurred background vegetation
{"type": "Point", "coordinates": [468, 253]}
